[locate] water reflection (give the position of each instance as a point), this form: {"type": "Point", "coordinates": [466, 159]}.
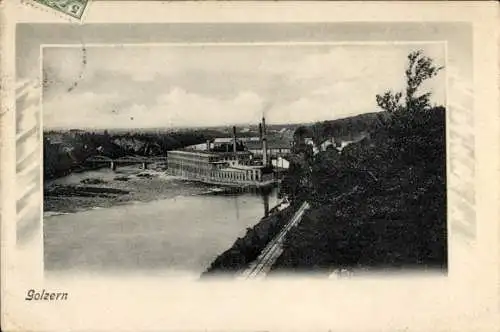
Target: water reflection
{"type": "Point", "coordinates": [265, 199]}
{"type": "Point", "coordinates": [184, 233]}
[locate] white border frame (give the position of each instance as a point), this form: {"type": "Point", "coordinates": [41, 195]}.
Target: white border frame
{"type": "Point", "coordinates": [467, 303]}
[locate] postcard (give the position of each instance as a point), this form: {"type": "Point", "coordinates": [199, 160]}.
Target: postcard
{"type": "Point", "coordinates": [309, 166]}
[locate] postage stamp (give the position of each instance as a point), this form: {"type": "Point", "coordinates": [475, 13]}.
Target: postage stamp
{"type": "Point", "coordinates": [73, 8]}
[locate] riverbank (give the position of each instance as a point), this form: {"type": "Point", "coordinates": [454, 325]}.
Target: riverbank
{"type": "Point", "coordinates": [105, 188]}
{"type": "Point", "coordinates": [247, 248]}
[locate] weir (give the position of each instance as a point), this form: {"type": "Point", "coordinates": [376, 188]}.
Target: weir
{"type": "Point", "coordinates": [113, 163]}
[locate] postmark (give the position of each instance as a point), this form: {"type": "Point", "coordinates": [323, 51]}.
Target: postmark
{"type": "Point", "coordinates": [47, 80]}
{"type": "Point", "coordinates": [72, 8]}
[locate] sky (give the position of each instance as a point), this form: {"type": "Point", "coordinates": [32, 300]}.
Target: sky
{"type": "Point", "coordinates": [148, 86]}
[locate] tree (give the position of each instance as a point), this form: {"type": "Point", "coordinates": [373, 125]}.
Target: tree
{"type": "Point", "coordinates": [301, 133]}
{"type": "Point", "coordinates": [389, 102]}
{"type": "Point", "coordinates": [419, 69]}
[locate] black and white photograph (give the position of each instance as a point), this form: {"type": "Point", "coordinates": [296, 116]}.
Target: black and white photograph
{"type": "Point", "coordinates": [183, 169]}
{"type": "Point", "coordinates": [244, 160]}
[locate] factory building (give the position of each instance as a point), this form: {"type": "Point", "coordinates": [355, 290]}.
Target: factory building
{"type": "Point", "coordinates": [225, 161]}
{"type": "Point", "coordinates": [275, 147]}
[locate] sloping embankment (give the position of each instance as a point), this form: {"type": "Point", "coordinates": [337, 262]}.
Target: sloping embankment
{"type": "Point", "coordinates": [246, 249]}
{"type": "Point", "coordinates": [396, 222]}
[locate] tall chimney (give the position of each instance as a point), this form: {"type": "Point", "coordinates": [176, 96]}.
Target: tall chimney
{"type": "Point", "coordinates": [264, 151]}
{"type": "Point", "coordinates": [264, 143]}
{"type": "Point", "coordinates": [208, 145]}
{"type": "Point", "coordinates": [234, 141]}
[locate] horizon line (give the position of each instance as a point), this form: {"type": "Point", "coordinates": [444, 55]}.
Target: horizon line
{"type": "Point", "coordinates": [229, 125]}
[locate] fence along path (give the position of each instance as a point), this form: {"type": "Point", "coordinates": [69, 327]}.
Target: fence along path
{"type": "Point", "coordinates": [262, 265]}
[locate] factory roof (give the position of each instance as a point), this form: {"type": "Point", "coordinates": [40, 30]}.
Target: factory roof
{"type": "Point", "coordinates": [223, 140]}
{"type": "Point", "coordinates": [192, 151]}
{"type": "Point", "coordinates": [201, 147]}
{"type": "Point", "coordinates": [214, 143]}
{"type": "Point", "coordinates": [272, 143]}
{"type": "Point", "coordinates": [241, 168]}
{"type": "Point", "coordinates": [220, 140]}
{"type": "Point", "coordinates": [198, 152]}
{"type": "Point", "coordinates": [246, 167]}
{"type": "Point", "coordinates": [249, 138]}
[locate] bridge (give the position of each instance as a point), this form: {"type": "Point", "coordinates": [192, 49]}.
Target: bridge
{"type": "Point", "coordinates": [113, 163]}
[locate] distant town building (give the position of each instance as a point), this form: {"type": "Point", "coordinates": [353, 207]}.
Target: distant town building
{"type": "Point", "coordinates": [275, 147]}
{"type": "Point", "coordinates": [329, 143]}
{"type": "Point", "coordinates": [281, 162]}
{"type": "Point", "coordinates": [339, 145]}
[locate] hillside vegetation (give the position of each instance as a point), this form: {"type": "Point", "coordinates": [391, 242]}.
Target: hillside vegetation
{"type": "Point", "coordinates": [381, 202]}
{"type": "Point", "coordinates": [347, 129]}
{"type": "Point", "coordinates": [394, 209]}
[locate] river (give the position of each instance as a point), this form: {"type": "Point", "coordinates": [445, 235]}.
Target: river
{"type": "Point", "coordinates": [180, 234]}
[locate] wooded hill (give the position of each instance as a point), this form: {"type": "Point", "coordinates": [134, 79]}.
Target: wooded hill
{"type": "Point", "coordinates": [381, 203]}
{"type": "Point", "coordinates": [347, 129]}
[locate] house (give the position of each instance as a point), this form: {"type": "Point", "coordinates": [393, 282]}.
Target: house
{"type": "Point", "coordinates": [280, 162]}
{"type": "Point", "coordinates": [275, 147]}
